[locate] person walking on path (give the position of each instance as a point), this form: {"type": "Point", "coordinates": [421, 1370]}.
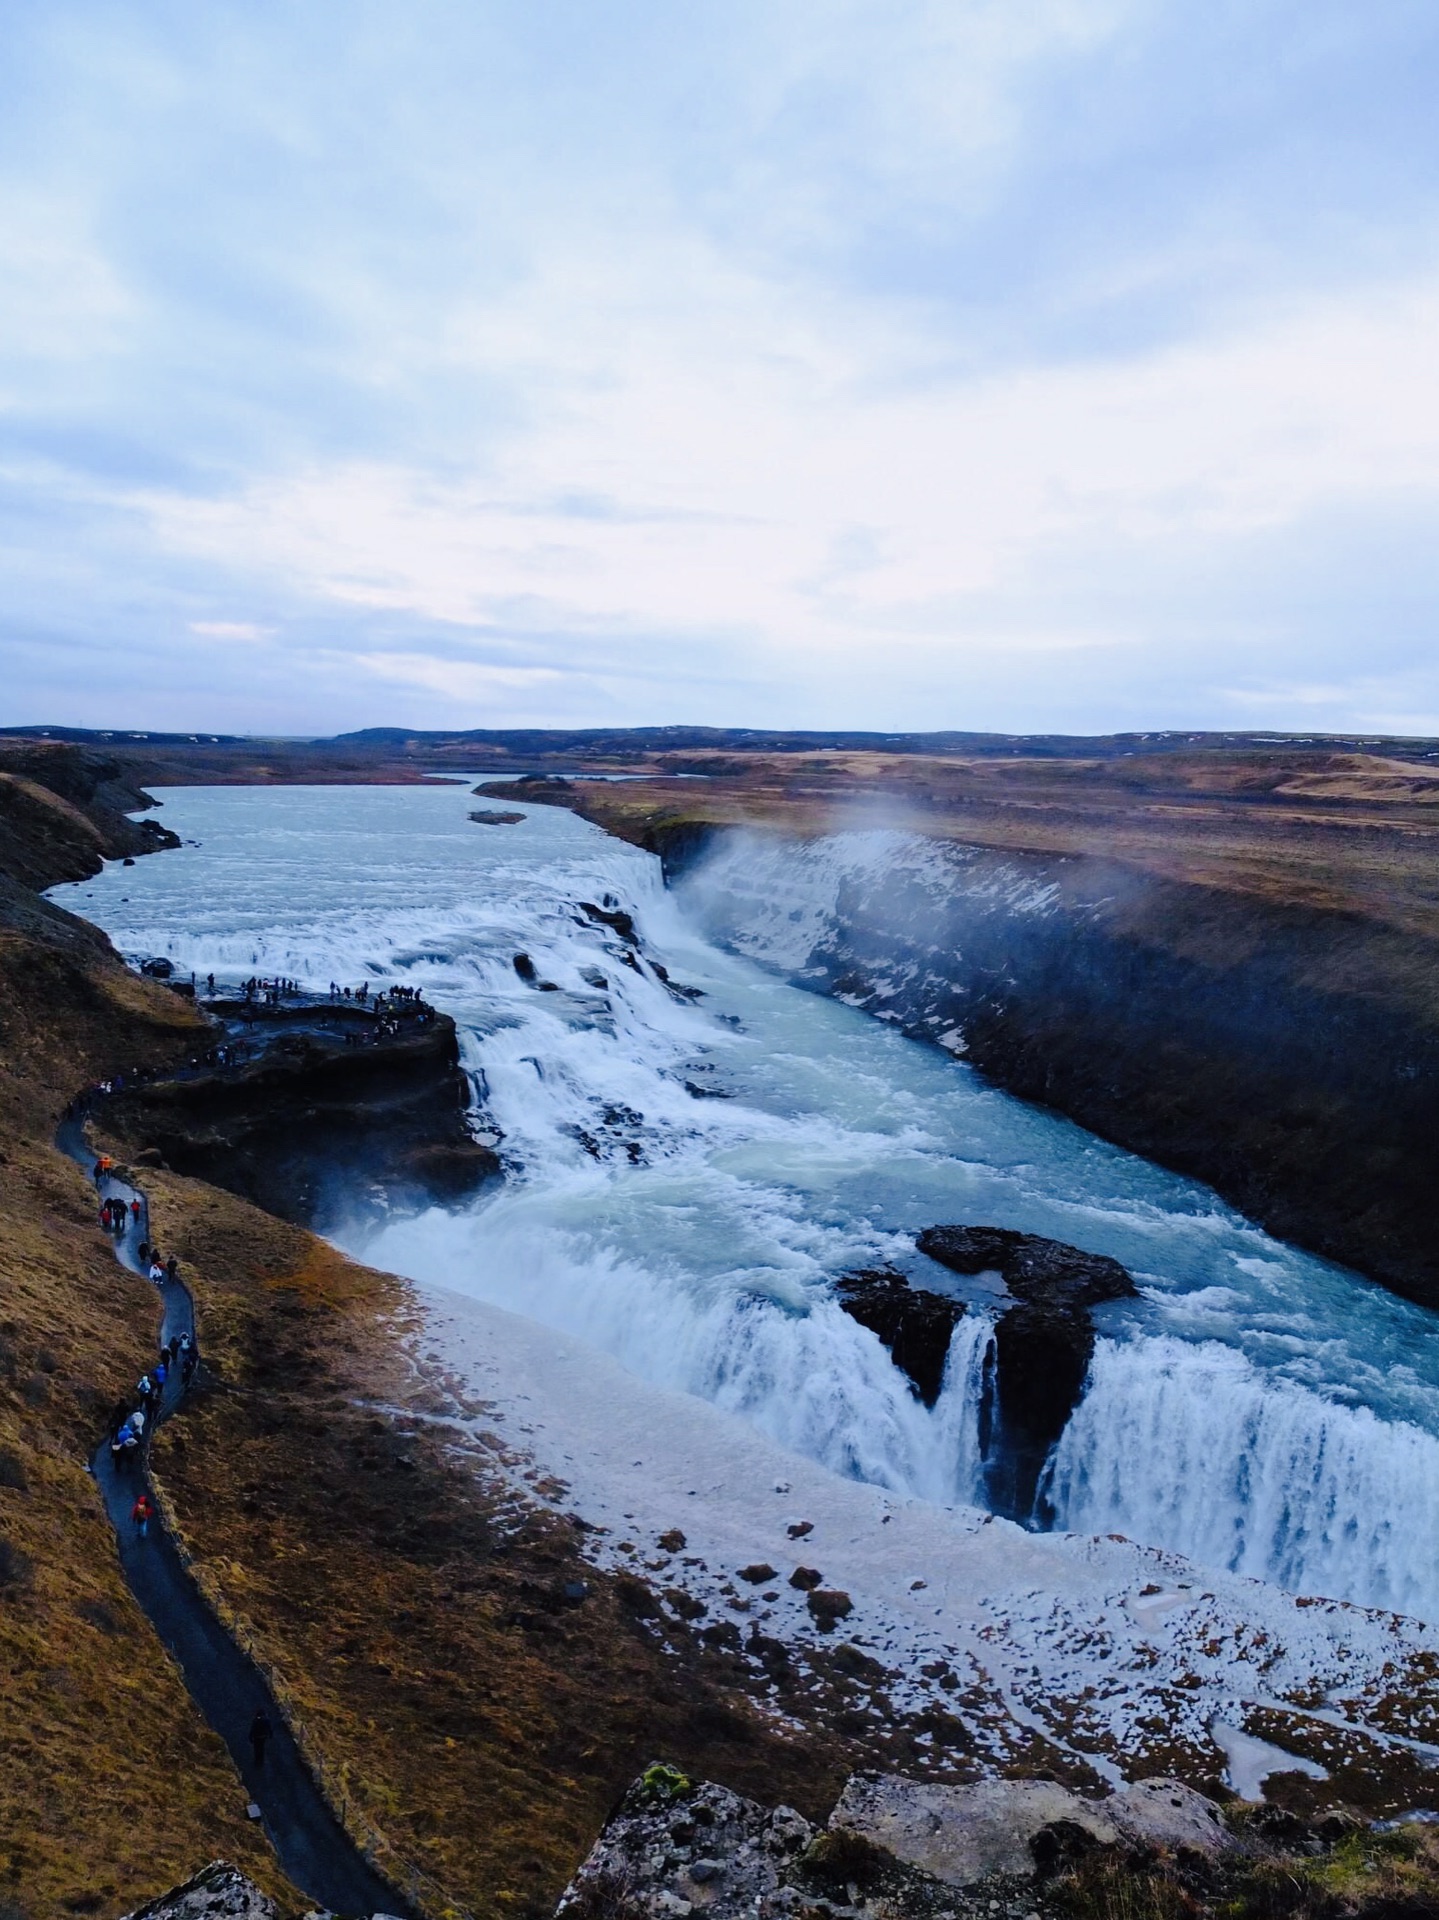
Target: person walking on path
{"type": "Point", "coordinates": [135, 1212]}
{"type": "Point", "coordinates": [260, 1732]}
{"type": "Point", "coordinates": [142, 1513]}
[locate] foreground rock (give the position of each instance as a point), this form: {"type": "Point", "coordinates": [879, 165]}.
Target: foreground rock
{"type": "Point", "coordinates": [673, 1849]}
{"type": "Point", "coordinates": [1043, 1344]}
{"type": "Point", "coordinates": [893, 1847]}
{"type": "Point", "coordinates": [961, 1835]}
{"type": "Point", "coordinates": [217, 1892]}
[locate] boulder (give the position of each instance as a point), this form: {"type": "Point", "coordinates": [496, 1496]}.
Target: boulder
{"type": "Point", "coordinates": [914, 1325]}
{"type": "Point", "coordinates": [1168, 1815]}
{"type": "Point", "coordinates": [217, 1892]}
{"type": "Point", "coordinates": [672, 1848]}
{"type": "Point", "coordinates": [960, 1834]}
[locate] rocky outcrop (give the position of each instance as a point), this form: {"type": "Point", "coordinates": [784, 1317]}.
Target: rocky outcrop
{"type": "Point", "coordinates": [217, 1892]}
{"type": "Point", "coordinates": [893, 1848]}
{"type": "Point", "coordinates": [914, 1325]}
{"type": "Point", "coordinates": [1043, 1273]}
{"type": "Point", "coordinates": [1044, 1339]}
{"type": "Point", "coordinates": [64, 812]}
{"type": "Point", "coordinates": [312, 1116]}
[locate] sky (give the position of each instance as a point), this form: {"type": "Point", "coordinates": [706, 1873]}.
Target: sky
{"type": "Point", "coordinates": [1066, 365]}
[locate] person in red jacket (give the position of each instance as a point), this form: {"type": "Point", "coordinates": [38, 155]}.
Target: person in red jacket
{"type": "Point", "coordinates": [142, 1513]}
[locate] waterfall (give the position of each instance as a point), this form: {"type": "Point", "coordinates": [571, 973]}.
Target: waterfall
{"type": "Point", "coordinates": [1191, 1447]}
{"type": "Point", "coordinates": [688, 1173]}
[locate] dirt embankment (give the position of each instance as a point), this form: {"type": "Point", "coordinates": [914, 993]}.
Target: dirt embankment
{"type": "Point", "coordinates": [1236, 972]}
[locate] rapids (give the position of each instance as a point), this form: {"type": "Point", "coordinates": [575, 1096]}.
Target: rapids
{"type": "Point", "coordinates": [686, 1178]}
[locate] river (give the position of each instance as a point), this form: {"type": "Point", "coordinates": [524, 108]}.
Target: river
{"type": "Point", "coordinates": [687, 1177]}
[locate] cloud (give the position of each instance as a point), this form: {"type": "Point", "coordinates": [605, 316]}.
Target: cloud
{"type": "Point", "coordinates": [925, 362]}
{"type": "Point", "coordinates": [231, 630]}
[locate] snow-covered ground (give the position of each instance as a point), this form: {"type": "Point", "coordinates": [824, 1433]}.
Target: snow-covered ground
{"type": "Point", "coordinates": [1124, 1658]}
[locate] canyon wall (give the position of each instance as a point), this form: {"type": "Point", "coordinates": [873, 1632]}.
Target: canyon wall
{"type": "Point", "coordinates": [1286, 1054]}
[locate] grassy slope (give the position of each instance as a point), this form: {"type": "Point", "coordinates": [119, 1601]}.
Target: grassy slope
{"type": "Point", "coordinates": [112, 1787]}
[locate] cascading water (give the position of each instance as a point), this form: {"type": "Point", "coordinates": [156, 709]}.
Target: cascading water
{"type": "Point", "coordinates": [1191, 1447]}
{"type": "Point", "coordinates": [686, 1179]}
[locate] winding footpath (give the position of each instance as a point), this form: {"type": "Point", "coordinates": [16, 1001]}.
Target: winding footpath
{"type": "Point", "coordinates": [311, 1845]}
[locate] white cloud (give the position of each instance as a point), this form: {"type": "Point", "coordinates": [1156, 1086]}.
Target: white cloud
{"type": "Point", "coordinates": [231, 630]}
{"type": "Point", "coordinates": [744, 457]}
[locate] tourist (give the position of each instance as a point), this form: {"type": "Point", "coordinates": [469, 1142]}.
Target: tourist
{"type": "Point", "coordinates": [160, 1376]}
{"type": "Point", "coordinates": [189, 1360]}
{"type": "Point", "coordinates": [137, 1423]}
{"type": "Point", "coordinates": [172, 1269]}
{"type": "Point", "coordinates": [261, 1730]}
{"type": "Point", "coordinates": [157, 1272]}
{"type": "Point", "coordinates": [142, 1513]}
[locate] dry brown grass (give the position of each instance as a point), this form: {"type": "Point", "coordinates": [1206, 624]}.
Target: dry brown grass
{"type": "Point", "coordinates": [411, 1615]}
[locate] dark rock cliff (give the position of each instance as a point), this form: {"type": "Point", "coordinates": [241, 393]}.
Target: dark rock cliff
{"type": "Point", "coordinates": [1286, 1054]}
{"type": "Point", "coordinates": [311, 1125]}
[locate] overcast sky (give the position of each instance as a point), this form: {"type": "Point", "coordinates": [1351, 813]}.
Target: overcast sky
{"type": "Point", "coordinates": [1026, 365]}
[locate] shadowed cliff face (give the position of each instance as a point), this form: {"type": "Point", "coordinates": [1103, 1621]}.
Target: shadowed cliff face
{"type": "Point", "coordinates": [313, 1123]}
{"type": "Point", "coordinates": [1284, 1054]}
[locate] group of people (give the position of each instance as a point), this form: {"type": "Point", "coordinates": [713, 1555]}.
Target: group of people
{"type": "Point", "coordinates": [177, 1360]}
{"type": "Point", "coordinates": [270, 991]}
{"type": "Point", "coordinates": [177, 1357]}
{"type": "Point", "coordinates": [119, 1217]}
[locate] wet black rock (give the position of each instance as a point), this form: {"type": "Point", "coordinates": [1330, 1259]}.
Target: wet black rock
{"type": "Point", "coordinates": [916, 1326]}
{"type": "Point", "coordinates": [1033, 1268]}
{"type": "Point", "coordinates": [1043, 1344]}
{"type": "Point", "coordinates": [615, 918]}
{"type": "Point", "coordinates": [319, 1118]}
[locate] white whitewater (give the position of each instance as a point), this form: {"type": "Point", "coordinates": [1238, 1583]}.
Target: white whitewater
{"type": "Point", "coordinates": [1191, 1447]}
{"type": "Point", "coordinates": [1258, 1410]}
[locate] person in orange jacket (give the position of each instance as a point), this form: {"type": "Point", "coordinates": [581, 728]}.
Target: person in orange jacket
{"type": "Point", "coordinates": [142, 1513]}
